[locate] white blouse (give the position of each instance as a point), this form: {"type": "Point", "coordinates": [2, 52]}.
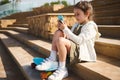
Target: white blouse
{"type": "Point", "coordinates": [86, 40]}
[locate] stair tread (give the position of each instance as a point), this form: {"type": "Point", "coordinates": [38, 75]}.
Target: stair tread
{"type": "Point", "coordinates": [109, 17]}
{"type": "Point", "coordinates": [24, 56]}
{"type": "Point", "coordinates": [31, 39]}
{"type": "Point", "coordinates": [109, 41]}
{"type": "Point", "coordinates": [2, 70]}
{"type": "Point", "coordinates": [107, 67]}
{"type": "Point", "coordinates": [22, 28]}
{"type": "Point", "coordinates": [108, 26]}
{"type": "Point", "coordinates": [89, 66]}
{"type": "Point", "coordinates": [39, 42]}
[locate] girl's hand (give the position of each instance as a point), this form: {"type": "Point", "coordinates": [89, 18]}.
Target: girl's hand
{"type": "Point", "coordinates": [61, 25]}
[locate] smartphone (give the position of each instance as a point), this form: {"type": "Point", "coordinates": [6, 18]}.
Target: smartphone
{"type": "Point", "coordinates": [60, 18]}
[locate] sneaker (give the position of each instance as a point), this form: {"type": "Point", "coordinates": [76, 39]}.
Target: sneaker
{"type": "Point", "coordinates": [59, 74]}
{"type": "Point", "coordinates": [47, 65]}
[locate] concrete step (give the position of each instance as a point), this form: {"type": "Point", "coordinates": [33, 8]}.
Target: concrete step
{"type": "Point", "coordinates": [18, 29]}
{"type": "Point", "coordinates": [8, 69]}
{"type": "Point", "coordinates": [110, 31]}
{"type": "Point", "coordinates": [111, 20]}
{"type": "Point", "coordinates": [107, 7]}
{"type": "Point", "coordinates": [18, 25]}
{"type": "Point", "coordinates": [33, 42]}
{"type": "Point", "coordinates": [39, 45]}
{"type": "Point", "coordinates": [98, 3]}
{"type": "Point", "coordinates": [92, 68]}
{"type": "Point", "coordinates": [2, 69]}
{"type": "Point", "coordinates": [107, 13]}
{"type": "Point", "coordinates": [103, 69]}
{"type": "Point", "coordinates": [108, 47]}
{"type": "Point", "coordinates": [23, 56]}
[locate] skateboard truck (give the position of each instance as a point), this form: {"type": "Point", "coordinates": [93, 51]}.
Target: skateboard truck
{"type": "Point", "coordinates": [45, 75]}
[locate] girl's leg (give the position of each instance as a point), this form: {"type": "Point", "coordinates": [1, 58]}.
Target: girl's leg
{"type": "Point", "coordinates": [63, 47]}
{"type": "Point", "coordinates": [51, 60]}
{"type": "Point", "coordinates": [54, 50]}
{"type": "Point", "coordinates": [56, 36]}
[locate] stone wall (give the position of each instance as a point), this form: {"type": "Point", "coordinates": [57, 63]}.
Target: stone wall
{"type": "Point", "coordinates": [5, 22]}
{"type": "Point", "coordinates": [47, 9]}
{"type": "Point", "coordinates": [44, 25]}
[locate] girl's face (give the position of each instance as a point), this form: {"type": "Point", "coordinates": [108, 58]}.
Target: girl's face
{"type": "Point", "coordinates": [80, 16]}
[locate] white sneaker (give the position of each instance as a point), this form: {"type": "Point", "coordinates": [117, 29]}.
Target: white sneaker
{"type": "Point", "coordinates": [47, 65]}
{"type": "Point", "coordinates": [59, 74]}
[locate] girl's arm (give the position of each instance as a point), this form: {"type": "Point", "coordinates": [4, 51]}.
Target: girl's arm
{"type": "Point", "coordinates": [85, 35]}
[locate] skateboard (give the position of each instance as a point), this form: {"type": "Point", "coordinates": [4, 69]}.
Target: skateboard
{"type": "Point", "coordinates": [43, 74]}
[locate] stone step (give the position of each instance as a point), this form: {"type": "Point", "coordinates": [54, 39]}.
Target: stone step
{"type": "Point", "coordinates": [94, 70]}
{"type": "Point", "coordinates": [111, 20]}
{"type": "Point", "coordinates": [103, 69]}
{"type": "Point", "coordinates": [8, 69]}
{"type": "Point", "coordinates": [114, 6]}
{"type": "Point", "coordinates": [23, 57]}
{"type": "Point", "coordinates": [108, 47]}
{"type": "Point", "coordinates": [98, 3]}
{"type": "Point", "coordinates": [33, 42]}
{"type": "Point", "coordinates": [2, 69]}
{"type": "Point", "coordinates": [18, 29]}
{"type": "Point", "coordinates": [107, 13]}
{"type": "Point", "coordinates": [18, 25]}
{"type": "Point", "coordinates": [39, 45]}
{"type": "Point", "coordinates": [110, 31]}
{"type": "Point", "coordinates": [107, 7]}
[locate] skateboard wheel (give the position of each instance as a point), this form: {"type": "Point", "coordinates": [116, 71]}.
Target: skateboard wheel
{"type": "Point", "coordinates": [33, 65]}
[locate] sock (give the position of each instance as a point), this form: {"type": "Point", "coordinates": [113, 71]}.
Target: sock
{"type": "Point", "coordinates": [62, 65]}
{"type": "Point", "coordinates": [53, 55]}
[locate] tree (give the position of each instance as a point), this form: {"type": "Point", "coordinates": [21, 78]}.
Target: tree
{"type": "Point", "coordinates": [56, 2]}
{"type": "Point", "coordinates": [4, 2]}
{"type": "Point", "coordinates": [64, 3]}
{"type": "Point", "coordinates": [46, 4]}
{"type": "Point", "coordinates": [52, 3]}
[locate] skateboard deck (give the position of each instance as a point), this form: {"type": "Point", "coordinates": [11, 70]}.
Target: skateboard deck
{"type": "Point", "coordinates": [43, 74]}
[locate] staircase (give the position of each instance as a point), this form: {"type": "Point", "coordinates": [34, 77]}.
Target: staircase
{"type": "Point", "coordinates": [21, 48]}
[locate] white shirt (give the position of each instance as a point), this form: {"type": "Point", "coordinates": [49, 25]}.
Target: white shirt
{"type": "Point", "coordinates": [86, 40]}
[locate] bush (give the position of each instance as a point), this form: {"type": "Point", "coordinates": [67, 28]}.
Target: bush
{"type": "Point", "coordinates": [52, 3]}
{"type": "Point", "coordinates": [56, 2]}
{"type": "Point", "coordinates": [46, 4]}
{"type": "Point", "coordinates": [64, 3]}
{"type": "Point", "coordinates": [4, 2]}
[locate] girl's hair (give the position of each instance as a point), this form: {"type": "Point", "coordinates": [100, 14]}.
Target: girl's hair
{"type": "Point", "coordinates": [85, 6]}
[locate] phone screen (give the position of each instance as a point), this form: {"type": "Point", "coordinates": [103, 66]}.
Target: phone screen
{"type": "Point", "coordinates": [60, 18]}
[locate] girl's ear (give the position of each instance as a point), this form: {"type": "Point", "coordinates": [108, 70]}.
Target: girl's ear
{"type": "Point", "coordinates": [87, 13]}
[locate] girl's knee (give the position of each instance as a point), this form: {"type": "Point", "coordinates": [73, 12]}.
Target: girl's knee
{"type": "Point", "coordinates": [58, 33]}
{"type": "Point", "coordinates": [61, 40]}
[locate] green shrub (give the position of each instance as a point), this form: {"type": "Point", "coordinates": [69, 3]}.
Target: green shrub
{"type": "Point", "coordinates": [4, 2]}
{"type": "Point", "coordinates": [56, 2]}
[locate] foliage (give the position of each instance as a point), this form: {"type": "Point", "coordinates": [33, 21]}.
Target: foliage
{"type": "Point", "coordinates": [56, 2]}
{"type": "Point", "coordinates": [46, 4]}
{"type": "Point", "coordinates": [4, 2]}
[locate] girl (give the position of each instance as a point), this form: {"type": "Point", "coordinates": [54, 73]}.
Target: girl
{"type": "Point", "coordinates": [78, 43]}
